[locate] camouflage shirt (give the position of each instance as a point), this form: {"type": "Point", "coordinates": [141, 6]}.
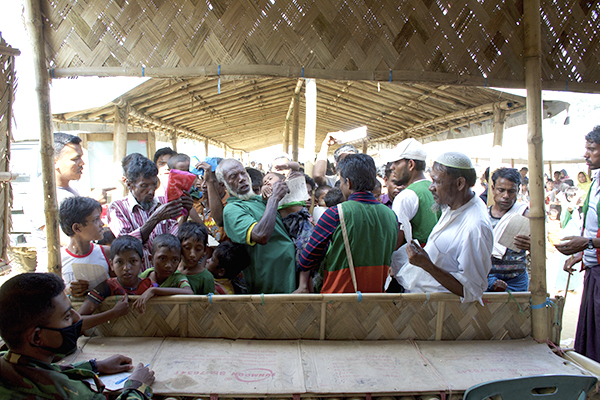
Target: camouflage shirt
{"type": "Point", "coordinates": [23, 377]}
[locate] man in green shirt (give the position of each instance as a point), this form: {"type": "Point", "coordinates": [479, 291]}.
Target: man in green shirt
{"type": "Point", "coordinates": [250, 220]}
{"type": "Point", "coordinates": [37, 323]}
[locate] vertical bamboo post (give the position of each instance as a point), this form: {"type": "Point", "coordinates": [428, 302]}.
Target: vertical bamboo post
{"type": "Point", "coordinates": [496, 157]}
{"type": "Point", "coordinates": [310, 125]}
{"type": "Point", "coordinates": [550, 169]}
{"type": "Point", "coordinates": [33, 18]}
{"type": "Point", "coordinates": [286, 137]}
{"type": "Point", "coordinates": [174, 140]}
{"type": "Point", "coordinates": [120, 135]}
{"type": "Point", "coordinates": [364, 146]}
{"type": "Point", "coordinates": [206, 147]}
{"type": "Point", "coordinates": [151, 145]}
{"type": "Point", "coordinates": [533, 81]}
{"type": "Point", "coordinates": [296, 128]}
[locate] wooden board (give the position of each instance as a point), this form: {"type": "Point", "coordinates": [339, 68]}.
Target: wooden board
{"type": "Point", "coordinates": [257, 368]}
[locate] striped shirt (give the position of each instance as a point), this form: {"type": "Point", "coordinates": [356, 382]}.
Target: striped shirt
{"type": "Point", "coordinates": [126, 217]}
{"type": "Point", "coordinates": [315, 250]}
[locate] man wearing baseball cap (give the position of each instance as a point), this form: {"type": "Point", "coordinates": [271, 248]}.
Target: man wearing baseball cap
{"type": "Point", "coordinates": [457, 256]}
{"type": "Point", "coordinates": [413, 204]}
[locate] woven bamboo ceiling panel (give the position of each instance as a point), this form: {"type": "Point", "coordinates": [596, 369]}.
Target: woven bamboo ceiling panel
{"type": "Point", "coordinates": [250, 114]}
{"type": "Point", "coordinates": [469, 38]}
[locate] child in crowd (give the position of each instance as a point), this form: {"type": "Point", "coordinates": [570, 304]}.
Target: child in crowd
{"type": "Point", "coordinates": [334, 197]}
{"type": "Point", "coordinates": [79, 218]}
{"type": "Point", "coordinates": [194, 238]}
{"type": "Point", "coordinates": [296, 219]}
{"type": "Point", "coordinates": [166, 280]}
{"type": "Point", "coordinates": [225, 264]}
{"type": "Point", "coordinates": [320, 194]}
{"type": "Point", "coordinates": [127, 253]}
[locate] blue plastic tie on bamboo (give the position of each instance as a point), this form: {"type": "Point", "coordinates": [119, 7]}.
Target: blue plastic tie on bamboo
{"type": "Point", "coordinates": [143, 72]}
{"type": "Point", "coordinates": [485, 82]}
{"type": "Point", "coordinates": [52, 73]}
{"type": "Point", "coordinates": [547, 303]}
{"type": "Point", "coordinates": [302, 72]}
{"type": "Point", "coordinates": [210, 295]}
{"type": "Point", "coordinates": [262, 299]}
{"type": "Point", "coordinates": [566, 85]}
{"type": "Point", "coordinates": [390, 75]}
{"type": "Point", "coordinates": [358, 297]}
{"type": "Point", "coordinates": [219, 83]}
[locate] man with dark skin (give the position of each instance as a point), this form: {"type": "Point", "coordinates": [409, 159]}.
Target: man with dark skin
{"type": "Point", "coordinates": [38, 323]}
{"type": "Point", "coordinates": [585, 248]}
{"type": "Point", "coordinates": [249, 219]}
{"type": "Point", "coordinates": [509, 267]}
{"type": "Point", "coordinates": [142, 215]}
{"type": "Point", "coordinates": [456, 257]}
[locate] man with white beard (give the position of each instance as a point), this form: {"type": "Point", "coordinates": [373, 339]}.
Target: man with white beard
{"type": "Point", "coordinates": [250, 220]}
{"type": "Point", "coordinates": [457, 256]}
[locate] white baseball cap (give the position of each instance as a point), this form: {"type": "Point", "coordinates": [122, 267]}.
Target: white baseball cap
{"type": "Point", "coordinates": [408, 149]}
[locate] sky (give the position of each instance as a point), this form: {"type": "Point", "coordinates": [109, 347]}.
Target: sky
{"type": "Point", "coordinates": [86, 92]}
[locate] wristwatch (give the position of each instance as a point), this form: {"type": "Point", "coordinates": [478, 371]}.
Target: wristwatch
{"type": "Point", "coordinates": [591, 244]}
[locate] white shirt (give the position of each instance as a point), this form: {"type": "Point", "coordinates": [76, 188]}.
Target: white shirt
{"type": "Point", "coordinates": [460, 243]}
{"type": "Point", "coordinates": [405, 205]}
{"type": "Point", "coordinates": [590, 257]}
{"type": "Point", "coordinates": [95, 256]}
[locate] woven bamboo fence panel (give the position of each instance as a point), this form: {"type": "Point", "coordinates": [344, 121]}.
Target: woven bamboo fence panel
{"type": "Point", "coordinates": [7, 93]}
{"type": "Point", "coordinates": [460, 37]}
{"type": "Point", "coordinates": [332, 317]}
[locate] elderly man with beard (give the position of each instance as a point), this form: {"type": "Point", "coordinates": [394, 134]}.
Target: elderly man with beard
{"type": "Point", "coordinates": [250, 220]}
{"type": "Point", "coordinates": [142, 215]}
{"type": "Point", "coordinates": [457, 256]}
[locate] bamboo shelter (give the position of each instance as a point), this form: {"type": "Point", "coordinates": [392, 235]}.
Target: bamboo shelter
{"type": "Point", "coordinates": [222, 70]}
{"type": "Point", "coordinates": [8, 86]}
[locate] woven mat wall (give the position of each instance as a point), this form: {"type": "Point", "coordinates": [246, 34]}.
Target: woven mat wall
{"type": "Point", "coordinates": [462, 37]}
{"type": "Point", "coordinates": [341, 317]}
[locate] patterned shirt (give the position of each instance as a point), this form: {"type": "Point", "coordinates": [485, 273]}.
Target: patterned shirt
{"type": "Point", "coordinates": [27, 378]}
{"type": "Point", "coordinates": [126, 217]}
{"type": "Point", "coordinates": [315, 250]}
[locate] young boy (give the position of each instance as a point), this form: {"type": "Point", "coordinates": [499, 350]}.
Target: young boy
{"type": "Point", "coordinates": [225, 264]}
{"type": "Point", "coordinates": [79, 219]}
{"type": "Point", "coordinates": [166, 280]}
{"type": "Point", "coordinates": [127, 253]}
{"type": "Point", "coordinates": [194, 238]}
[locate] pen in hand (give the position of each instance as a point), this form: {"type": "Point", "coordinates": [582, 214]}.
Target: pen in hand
{"type": "Point", "coordinates": [120, 381]}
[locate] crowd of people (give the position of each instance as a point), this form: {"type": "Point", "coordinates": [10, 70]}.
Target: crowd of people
{"type": "Point", "coordinates": [351, 227]}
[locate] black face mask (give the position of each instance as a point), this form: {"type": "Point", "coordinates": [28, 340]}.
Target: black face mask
{"type": "Point", "coordinates": [69, 334]}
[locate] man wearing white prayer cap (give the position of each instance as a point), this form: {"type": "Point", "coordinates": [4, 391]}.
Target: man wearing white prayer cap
{"type": "Point", "coordinates": [413, 204]}
{"type": "Point", "coordinates": [457, 257]}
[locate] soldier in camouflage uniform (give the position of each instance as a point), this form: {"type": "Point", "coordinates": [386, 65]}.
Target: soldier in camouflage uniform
{"type": "Point", "coordinates": [37, 323]}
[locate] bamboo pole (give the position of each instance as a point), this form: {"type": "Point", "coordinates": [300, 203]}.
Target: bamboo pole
{"type": "Point", "coordinates": [206, 147]}
{"type": "Point", "coordinates": [174, 140]}
{"type": "Point", "coordinates": [120, 136]}
{"type": "Point", "coordinates": [151, 145]}
{"type": "Point", "coordinates": [296, 128]}
{"type": "Point", "coordinates": [286, 137]}
{"type": "Point", "coordinates": [310, 125]}
{"type": "Point", "coordinates": [33, 18]}
{"type": "Point", "coordinates": [318, 73]}
{"type": "Point", "coordinates": [496, 156]}
{"type": "Point", "coordinates": [533, 78]}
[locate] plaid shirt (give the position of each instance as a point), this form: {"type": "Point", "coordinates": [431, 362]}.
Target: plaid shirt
{"type": "Point", "coordinates": [126, 217]}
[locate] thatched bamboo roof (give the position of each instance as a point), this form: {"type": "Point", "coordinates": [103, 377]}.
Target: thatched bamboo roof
{"type": "Point", "coordinates": [388, 65]}
{"type": "Point", "coordinates": [250, 114]}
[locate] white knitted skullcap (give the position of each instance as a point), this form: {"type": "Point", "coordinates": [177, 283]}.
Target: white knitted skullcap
{"type": "Point", "coordinates": [408, 149]}
{"type": "Point", "coordinates": [455, 159]}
